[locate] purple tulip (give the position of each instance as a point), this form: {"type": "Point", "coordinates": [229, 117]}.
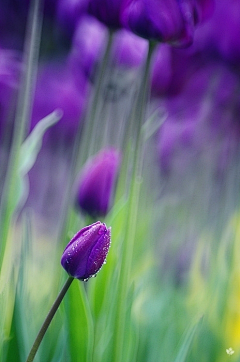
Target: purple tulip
{"type": "Point", "coordinates": [97, 183]}
{"type": "Point", "coordinates": [226, 30]}
{"type": "Point", "coordinates": [161, 70]}
{"type": "Point", "coordinates": [202, 118]}
{"type": "Point", "coordinates": [10, 70]}
{"type": "Point", "coordinates": [221, 34]}
{"type": "Point", "coordinates": [57, 87]}
{"type": "Point", "coordinates": [169, 21]}
{"type": "Point", "coordinates": [13, 18]}
{"type": "Point", "coordinates": [107, 11]}
{"type": "Point", "coordinates": [88, 45]}
{"type": "Point", "coordinates": [69, 12]}
{"type": "Point", "coordinates": [129, 50]}
{"type": "Point", "coordinates": [85, 254]}
{"type": "Point", "coordinates": [13, 21]}
{"type": "Point", "coordinates": [89, 42]}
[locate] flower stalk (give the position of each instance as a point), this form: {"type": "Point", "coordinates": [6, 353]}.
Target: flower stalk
{"type": "Point", "coordinates": [128, 245]}
{"type": "Point", "coordinates": [48, 320]}
{"type": "Point", "coordinates": [81, 147]}
{"type": "Point", "coordinates": [23, 112]}
{"type": "Point", "coordinates": [82, 258]}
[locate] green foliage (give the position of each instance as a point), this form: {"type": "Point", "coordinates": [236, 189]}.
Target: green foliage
{"type": "Point", "coordinates": [79, 323]}
{"type": "Point", "coordinates": [29, 152]}
{"type": "Point", "coordinates": [186, 343]}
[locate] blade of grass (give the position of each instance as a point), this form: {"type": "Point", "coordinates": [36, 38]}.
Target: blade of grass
{"type": "Point", "coordinates": [80, 324]}
{"type": "Point", "coordinates": [187, 340]}
{"type": "Point", "coordinates": [31, 50]}
{"type": "Point", "coordinates": [7, 297]}
{"type": "Point", "coordinates": [131, 216]}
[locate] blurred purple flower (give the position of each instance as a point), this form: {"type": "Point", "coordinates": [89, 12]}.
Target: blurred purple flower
{"type": "Point", "coordinates": [221, 34]}
{"type": "Point", "coordinates": [107, 11]}
{"type": "Point", "coordinates": [87, 46]}
{"type": "Point", "coordinates": [69, 12]}
{"type": "Point", "coordinates": [203, 117]}
{"type": "Point", "coordinates": [85, 254]}
{"type": "Point", "coordinates": [128, 49]}
{"type": "Point", "coordinates": [89, 41]}
{"type": "Point", "coordinates": [97, 183]}
{"type": "Point", "coordinates": [226, 29]}
{"type": "Point", "coordinates": [171, 21]}
{"type": "Point", "coordinates": [203, 9]}
{"type": "Point", "coordinates": [161, 70]}
{"type": "Point", "coordinates": [185, 63]}
{"type": "Point", "coordinates": [57, 87]}
{"type": "Point", "coordinates": [13, 21]}
{"type": "Point", "coordinates": [13, 18]}
{"type": "Point", "coordinates": [10, 70]}
{"type": "Point", "coordinates": [10, 67]}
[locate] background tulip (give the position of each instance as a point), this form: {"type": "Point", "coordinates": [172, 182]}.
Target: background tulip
{"type": "Point", "coordinates": [164, 21]}
{"type": "Point", "coordinates": [97, 183]}
{"type": "Point", "coordinates": [107, 11]}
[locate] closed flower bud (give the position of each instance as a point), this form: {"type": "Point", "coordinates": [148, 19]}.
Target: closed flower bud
{"type": "Point", "coordinates": [85, 254]}
{"type": "Point", "coordinates": [97, 183]}
{"type": "Point", "coordinates": [171, 21]}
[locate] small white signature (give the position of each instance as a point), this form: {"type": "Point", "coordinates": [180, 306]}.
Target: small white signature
{"type": "Point", "coordinates": [229, 351]}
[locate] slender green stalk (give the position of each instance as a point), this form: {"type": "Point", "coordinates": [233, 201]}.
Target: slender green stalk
{"type": "Point", "coordinates": [24, 106]}
{"type": "Point", "coordinates": [128, 245]}
{"type": "Point", "coordinates": [48, 320]}
{"type": "Point", "coordinates": [90, 124]}
{"type": "Point", "coordinates": [82, 149]}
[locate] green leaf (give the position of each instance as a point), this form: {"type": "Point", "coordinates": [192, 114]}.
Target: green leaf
{"type": "Point", "coordinates": [186, 342]}
{"type": "Point", "coordinates": [32, 145]}
{"type": "Point", "coordinates": [29, 151]}
{"type": "Point", "coordinates": [80, 323]}
{"type": "Point", "coordinates": [8, 280]}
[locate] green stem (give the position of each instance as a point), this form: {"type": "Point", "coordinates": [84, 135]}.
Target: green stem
{"type": "Point", "coordinates": [91, 125]}
{"type": "Point", "coordinates": [82, 149]}
{"type": "Point", "coordinates": [128, 245]}
{"type": "Point", "coordinates": [48, 320]}
{"type": "Point", "coordinates": [94, 112]}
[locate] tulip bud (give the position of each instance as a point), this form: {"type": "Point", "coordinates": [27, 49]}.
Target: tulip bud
{"type": "Point", "coordinates": [97, 183]}
{"type": "Point", "coordinates": [85, 254]}
{"type": "Point", "coordinates": [171, 21]}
